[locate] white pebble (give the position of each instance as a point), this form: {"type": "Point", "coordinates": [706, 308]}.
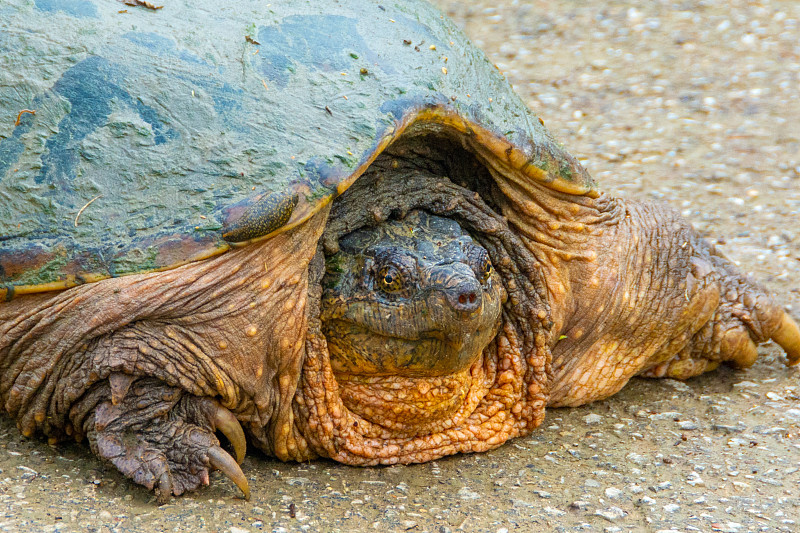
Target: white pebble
{"type": "Point", "coordinates": [466, 494]}
{"type": "Point", "coordinates": [592, 419]}
{"type": "Point", "coordinates": [611, 514]}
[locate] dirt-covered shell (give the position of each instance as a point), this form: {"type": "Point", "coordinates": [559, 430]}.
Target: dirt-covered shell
{"type": "Point", "coordinates": [135, 139]}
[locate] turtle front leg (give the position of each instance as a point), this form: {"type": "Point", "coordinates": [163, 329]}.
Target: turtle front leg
{"type": "Point", "coordinates": [744, 318]}
{"type": "Point", "coordinates": [163, 438]}
{"type": "Point", "coordinates": [646, 295]}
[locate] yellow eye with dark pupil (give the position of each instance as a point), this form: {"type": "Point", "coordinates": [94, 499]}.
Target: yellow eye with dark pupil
{"type": "Point", "coordinates": [487, 269]}
{"type": "Point", "coordinates": [390, 279]}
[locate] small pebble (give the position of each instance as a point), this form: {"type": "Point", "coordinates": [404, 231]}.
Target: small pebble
{"type": "Point", "coordinates": [465, 494]}
{"type": "Point", "coordinates": [728, 428]}
{"type": "Point", "coordinates": [695, 480]}
{"type": "Point", "coordinates": [664, 485]}
{"type": "Point", "coordinates": [677, 385]}
{"type": "Point", "coordinates": [793, 414]}
{"type": "Point", "coordinates": [592, 419]}
{"type": "Point", "coordinates": [668, 415]}
{"type": "Point", "coordinates": [611, 514]}
{"type": "Point", "coordinates": [731, 527]}
{"type": "Point", "coordinates": [635, 458]}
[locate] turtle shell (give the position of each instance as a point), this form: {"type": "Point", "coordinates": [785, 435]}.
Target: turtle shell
{"type": "Point", "coordinates": [135, 139]}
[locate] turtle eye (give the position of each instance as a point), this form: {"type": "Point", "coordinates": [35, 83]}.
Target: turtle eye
{"type": "Point", "coordinates": [390, 279]}
{"type": "Point", "coordinates": [486, 268]}
{"type": "Point", "coordinates": [481, 263]}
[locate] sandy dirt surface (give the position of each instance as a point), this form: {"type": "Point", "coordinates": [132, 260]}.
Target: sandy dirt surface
{"type": "Point", "coordinates": [694, 103]}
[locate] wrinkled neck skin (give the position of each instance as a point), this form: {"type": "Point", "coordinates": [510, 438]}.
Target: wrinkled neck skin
{"type": "Point", "coordinates": [569, 237]}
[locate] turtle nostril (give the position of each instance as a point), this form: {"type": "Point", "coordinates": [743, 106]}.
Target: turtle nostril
{"type": "Point", "coordinates": [466, 300]}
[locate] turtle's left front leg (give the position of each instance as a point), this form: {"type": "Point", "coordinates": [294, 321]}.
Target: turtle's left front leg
{"type": "Point", "coordinates": [745, 317]}
{"type": "Point", "coordinates": [652, 298]}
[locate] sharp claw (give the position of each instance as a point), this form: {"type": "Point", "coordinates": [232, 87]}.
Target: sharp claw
{"type": "Point", "coordinates": [164, 488]}
{"type": "Point", "coordinates": [222, 461]}
{"type": "Point", "coordinates": [788, 337]}
{"type": "Point", "coordinates": [227, 423]}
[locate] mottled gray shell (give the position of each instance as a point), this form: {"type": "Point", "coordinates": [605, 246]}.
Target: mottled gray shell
{"type": "Point", "coordinates": [134, 139]}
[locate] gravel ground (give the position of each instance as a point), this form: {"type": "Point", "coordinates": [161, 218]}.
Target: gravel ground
{"type": "Point", "coordinates": [695, 103]}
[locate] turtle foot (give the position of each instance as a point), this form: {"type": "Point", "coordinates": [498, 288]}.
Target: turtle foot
{"type": "Point", "coordinates": [163, 438]}
{"type": "Point", "coordinates": [745, 317]}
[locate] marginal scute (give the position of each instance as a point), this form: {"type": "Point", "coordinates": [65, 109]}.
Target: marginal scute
{"type": "Point", "coordinates": [262, 218]}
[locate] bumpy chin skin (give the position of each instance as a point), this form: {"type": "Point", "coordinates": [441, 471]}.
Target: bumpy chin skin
{"type": "Point", "coordinates": [411, 401]}
{"type": "Point", "coordinates": [358, 351]}
{"type": "Point", "coordinates": [413, 406]}
{"type": "Point", "coordinates": [498, 404]}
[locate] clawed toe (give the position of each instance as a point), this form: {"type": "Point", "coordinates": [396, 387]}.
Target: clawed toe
{"type": "Point", "coordinates": [222, 461]}
{"type": "Point", "coordinates": [787, 336]}
{"type": "Point", "coordinates": [736, 342]}
{"type": "Point", "coordinates": [164, 488]}
{"type": "Point", "coordinates": [225, 422]}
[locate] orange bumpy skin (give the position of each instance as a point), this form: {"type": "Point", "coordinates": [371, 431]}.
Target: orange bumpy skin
{"type": "Point", "coordinates": [147, 367]}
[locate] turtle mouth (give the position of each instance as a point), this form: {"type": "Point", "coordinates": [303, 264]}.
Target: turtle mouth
{"type": "Point", "coordinates": [357, 349]}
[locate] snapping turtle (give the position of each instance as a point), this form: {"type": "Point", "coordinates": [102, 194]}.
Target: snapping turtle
{"type": "Point", "coordinates": [331, 230]}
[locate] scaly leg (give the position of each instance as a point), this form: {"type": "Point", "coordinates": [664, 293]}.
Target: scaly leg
{"type": "Point", "coordinates": [163, 438]}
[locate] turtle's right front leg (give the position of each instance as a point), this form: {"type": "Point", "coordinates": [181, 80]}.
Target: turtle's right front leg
{"type": "Point", "coordinates": [160, 436]}
{"type": "Point", "coordinates": [144, 396]}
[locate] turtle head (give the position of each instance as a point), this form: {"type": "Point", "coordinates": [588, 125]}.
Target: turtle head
{"type": "Point", "coordinates": [412, 300]}
{"type": "Point", "coordinates": [416, 297]}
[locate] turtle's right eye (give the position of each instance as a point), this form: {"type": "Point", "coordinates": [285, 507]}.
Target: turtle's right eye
{"type": "Point", "coordinates": [390, 279]}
